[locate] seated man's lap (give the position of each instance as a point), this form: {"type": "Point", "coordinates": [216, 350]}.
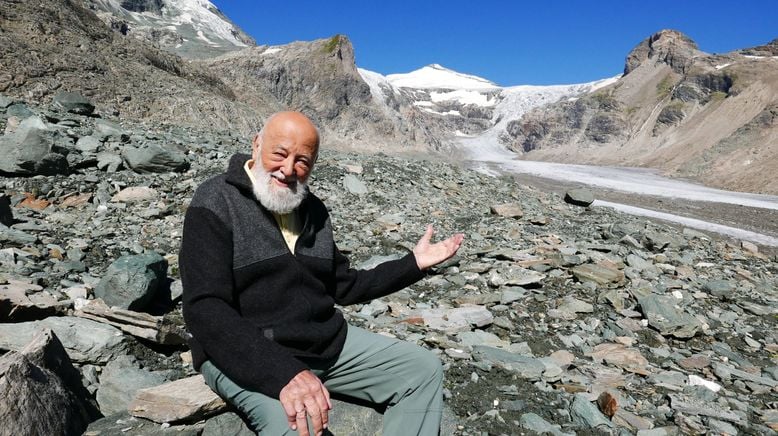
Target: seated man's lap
{"type": "Point", "coordinates": [371, 367]}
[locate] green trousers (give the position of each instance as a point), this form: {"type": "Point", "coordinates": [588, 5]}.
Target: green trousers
{"type": "Point", "coordinates": [403, 377]}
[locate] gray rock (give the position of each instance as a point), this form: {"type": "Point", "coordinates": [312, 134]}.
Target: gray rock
{"type": "Point", "coordinates": [669, 320]}
{"type": "Point", "coordinates": [132, 281]}
{"type": "Point", "coordinates": [41, 391]}
{"type": "Point", "coordinates": [354, 184]}
{"type": "Point", "coordinates": [586, 413]}
{"type": "Point", "coordinates": [29, 150]}
{"type": "Point", "coordinates": [692, 406]}
{"type": "Point", "coordinates": [124, 424]}
{"type": "Point", "coordinates": [227, 424]}
{"type": "Point", "coordinates": [84, 340]}
{"type": "Point", "coordinates": [109, 162]}
{"type": "Point", "coordinates": [120, 380]}
{"type": "Point", "coordinates": [525, 367]}
{"type": "Point", "coordinates": [74, 103]}
{"type": "Point", "coordinates": [374, 261]}
{"type": "Point", "coordinates": [105, 130]}
{"type": "Point", "coordinates": [5, 102]}
{"type": "Point", "coordinates": [722, 427]}
{"type": "Point", "coordinates": [14, 236]}
{"type": "Point", "coordinates": [154, 159]}
{"type": "Point", "coordinates": [719, 288]}
{"type": "Point", "coordinates": [533, 422]}
{"type": "Point", "coordinates": [597, 274]}
{"type": "Point", "coordinates": [19, 110]}
{"type": "Point", "coordinates": [579, 197]}
{"type": "Point", "coordinates": [88, 144]}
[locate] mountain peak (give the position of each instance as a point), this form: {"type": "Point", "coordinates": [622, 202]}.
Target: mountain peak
{"type": "Point", "coordinates": [667, 46]}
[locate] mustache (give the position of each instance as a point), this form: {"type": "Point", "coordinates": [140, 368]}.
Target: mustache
{"type": "Point", "coordinates": [278, 175]}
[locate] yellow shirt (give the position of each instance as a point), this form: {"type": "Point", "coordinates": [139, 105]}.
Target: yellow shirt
{"type": "Point", "coordinates": [288, 223]}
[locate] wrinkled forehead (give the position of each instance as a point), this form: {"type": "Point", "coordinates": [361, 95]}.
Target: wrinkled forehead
{"type": "Point", "coordinates": [291, 130]}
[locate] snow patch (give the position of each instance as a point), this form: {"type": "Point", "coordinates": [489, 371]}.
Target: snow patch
{"type": "Point", "coordinates": [201, 15]}
{"type": "Point", "coordinates": [451, 112]}
{"type": "Point", "coordinates": [719, 67]}
{"type": "Point", "coordinates": [270, 51]}
{"type": "Point", "coordinates": [464, 97]}
{"type": "Point", "coordinates": [436, 76]}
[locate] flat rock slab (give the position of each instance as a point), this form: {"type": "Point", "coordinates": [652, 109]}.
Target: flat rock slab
{"type": "Point", "coordinates": [508, 210]}
{"type": "Point", "coordinates": [663, 315]}
{"type": "Point", "coordinates": [139, 324]}
{"type": "Point", "coordinates": [125, 424]}
{"type": "Point", "coordinates": [184, 400]}
{"type": "Point", "coordinates": [619, 355]}
{"type": "Point", "coordinates": [596, 273]}
{"type": "Point", "coordinates": [457, 319]}
{"type": "Point", "coordinates": [354, 184]}
{"type": "Point", "coordinates": [525, 367]}
{"type": "Point", "coordinates": [135, 194]}
{"type": "Point", "coordinates": [84, 340]}
{"type": "Point", "coordinates": [20, 301]}
{"type": "Point", "coordinates": [692, 406]}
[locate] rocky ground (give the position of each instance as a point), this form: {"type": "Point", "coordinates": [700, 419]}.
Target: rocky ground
{"type": "Point", "coordinates": [553, 318]}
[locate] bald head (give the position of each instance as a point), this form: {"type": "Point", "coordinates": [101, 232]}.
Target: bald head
{"type": "Point", "coordinates": [293, 125]}
{"type": "Point", "coordinates": [289, 143]}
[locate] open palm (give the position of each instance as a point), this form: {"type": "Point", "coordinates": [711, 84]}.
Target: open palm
{"type": "Point", "coordinates": [428, 254]}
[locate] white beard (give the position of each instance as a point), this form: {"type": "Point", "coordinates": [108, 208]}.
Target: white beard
{"type": "Point", "coordinates": [275, 198]}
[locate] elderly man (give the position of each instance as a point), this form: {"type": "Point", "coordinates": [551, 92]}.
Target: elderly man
{"type": "Point", "coordinates": [262, 275]}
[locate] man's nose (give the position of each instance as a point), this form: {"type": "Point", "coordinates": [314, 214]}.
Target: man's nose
{"type": "Point", "coordinates": [288, 168]}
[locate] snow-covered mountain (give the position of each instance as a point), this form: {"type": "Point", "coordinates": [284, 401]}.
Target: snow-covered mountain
{"type": "Point", "coordinates": [189, 28]}
{"type": "Point", "coordinates": [470, 112]}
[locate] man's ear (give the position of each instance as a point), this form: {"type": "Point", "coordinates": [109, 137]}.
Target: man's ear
{"type": "Point", "coordinates": [256, 146]}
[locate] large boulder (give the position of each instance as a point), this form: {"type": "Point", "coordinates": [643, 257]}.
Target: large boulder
{"type": "Point", "coordinates": [41, 392]}
{"type": "Point", "coordinates": [132, 281]}
{"type": "Point", "coordinates": [155, 159]}
{"type": "Point", "coordinates": [73, 102]}
{"type": "Point", "coordinates": [30, 150]}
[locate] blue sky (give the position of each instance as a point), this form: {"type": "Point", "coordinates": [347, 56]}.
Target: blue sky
{"type": "Point", "coordinates": [508, 42]}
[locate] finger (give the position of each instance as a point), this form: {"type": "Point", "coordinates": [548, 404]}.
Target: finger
{"type": "Point", "coordinates": [302, 423]}
{"type": "Point", "coordinates": [327, 396]}
{"type": "Point", "coordinates": [323, 405]}
{"type": "Point", "coordinates": [291, 414]}
{"type": "Point", "coordinates": [315, 413]}
{"type": "Point", "coordinates": [428, 233]}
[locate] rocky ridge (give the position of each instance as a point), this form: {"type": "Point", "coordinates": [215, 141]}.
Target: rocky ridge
{"type": "Point", "coordinates": [191, 28]}
{"type": "Point", "coordinates": [711, 117]}
{"type": "Point", "coordinates": [555, 317]}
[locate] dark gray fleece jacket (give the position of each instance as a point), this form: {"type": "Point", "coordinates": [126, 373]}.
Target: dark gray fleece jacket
{"type": "Point", "coordinates": [254, 309]}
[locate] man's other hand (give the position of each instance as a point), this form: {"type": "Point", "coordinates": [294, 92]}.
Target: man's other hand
{"type": "Point", "coordinates": [306, 395]}
{"type": "Point", "coordinates": [428, 254]}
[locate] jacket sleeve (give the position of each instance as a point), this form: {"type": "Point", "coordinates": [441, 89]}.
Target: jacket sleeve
{"type": "Point", "coordinates": [233, 344]}
{"type": "Point", "coordinates": [358, 286]}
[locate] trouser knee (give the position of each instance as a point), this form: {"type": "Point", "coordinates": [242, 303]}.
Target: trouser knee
{"type": "Point", "coordinates": [429, 366]}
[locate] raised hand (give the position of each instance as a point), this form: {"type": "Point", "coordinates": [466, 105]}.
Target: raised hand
{"type": "Point", "coordinates": [306, 395]}
{"type": "Point", "coordinates": [428, 254]}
